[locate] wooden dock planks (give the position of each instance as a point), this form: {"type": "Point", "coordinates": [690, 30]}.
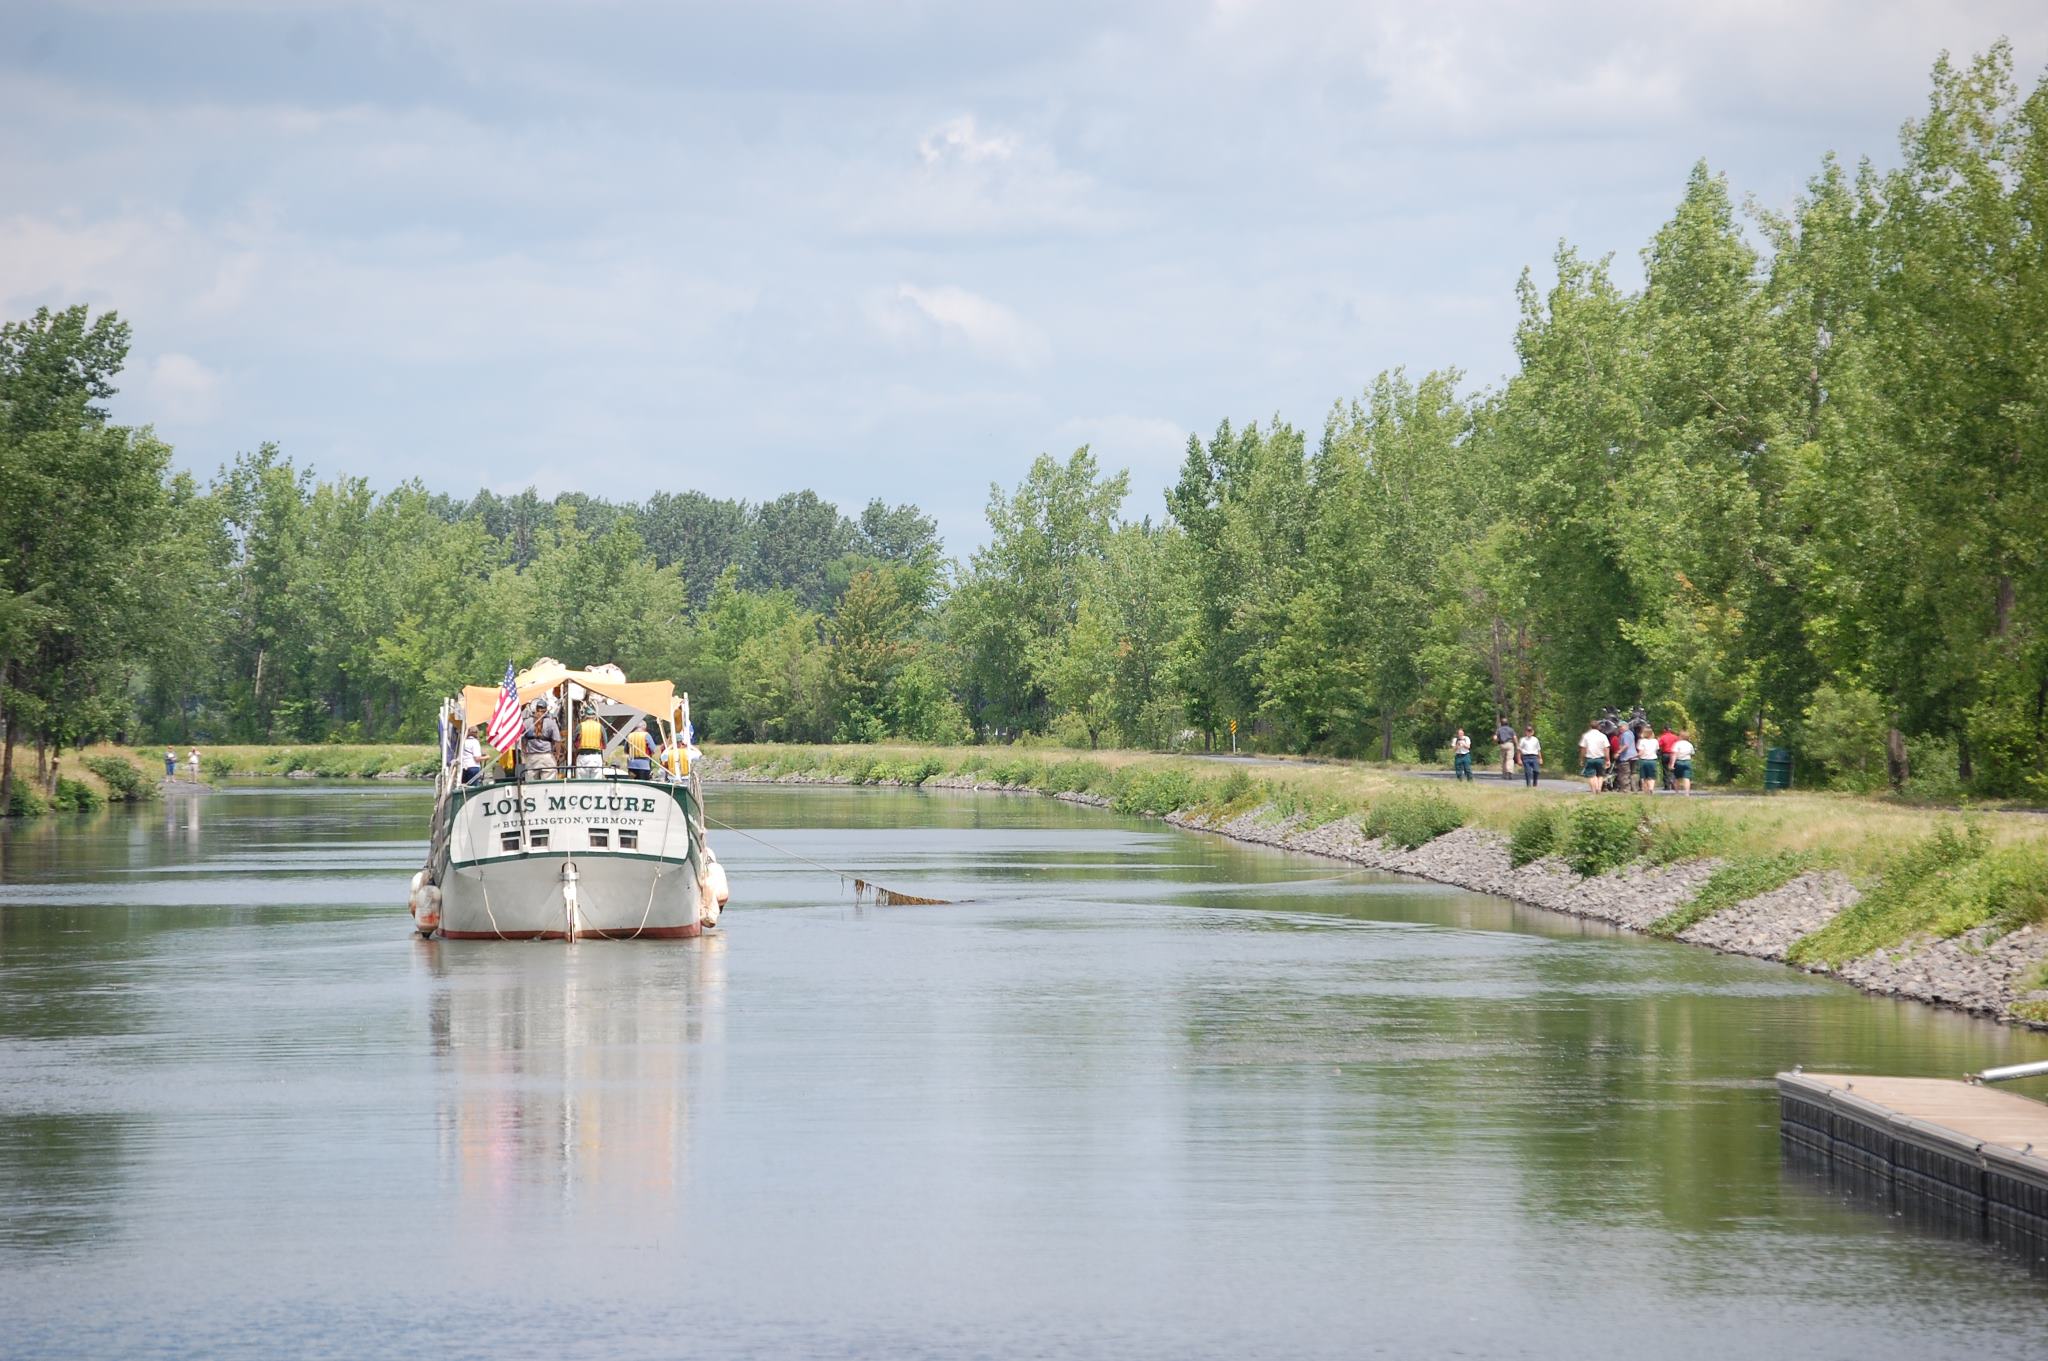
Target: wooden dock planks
{"type": "Point", "coordinates": [1981, 1153]}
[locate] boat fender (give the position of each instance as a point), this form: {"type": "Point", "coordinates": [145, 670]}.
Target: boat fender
{"type": "Point", "coordinates": [707, 905]}
{"type": "Point", "coordinates": [424, 902]}
{"type": "Point", "coordinates": [715, 879]}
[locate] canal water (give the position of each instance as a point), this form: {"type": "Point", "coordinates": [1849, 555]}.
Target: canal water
{"type": "Point", "coordinates": [1138, 1093]}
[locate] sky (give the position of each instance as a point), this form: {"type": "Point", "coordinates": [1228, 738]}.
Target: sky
{"type": "Point", "coordinates": [884, 249]}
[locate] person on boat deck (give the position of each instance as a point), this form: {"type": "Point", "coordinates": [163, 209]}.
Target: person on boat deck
{"type": "Point", "coordinates": [639, 755]}
{"type": "Point", "coordinates": [673, 761]}
{"type": "Point", "coordinates": [542, 733]}
{"type": "Point", "coordinates": [472, 755]}
{"type": "Point", "coordinates": [589, 746]}
{"type": "Point", "coordinates": [508, 763]}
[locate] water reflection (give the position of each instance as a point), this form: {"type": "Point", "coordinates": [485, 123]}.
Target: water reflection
{"type": "Point", "coordinates": [572, 1068]}
{"type": "Point", "coordinates": [1134, 1092]}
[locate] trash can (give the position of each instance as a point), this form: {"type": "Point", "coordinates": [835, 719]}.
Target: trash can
{"type": "Point", "coordinates": [1777, 769]}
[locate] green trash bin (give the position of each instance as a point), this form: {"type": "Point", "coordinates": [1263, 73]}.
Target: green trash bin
{"type": "Point", "coordinates": [1777, 769]}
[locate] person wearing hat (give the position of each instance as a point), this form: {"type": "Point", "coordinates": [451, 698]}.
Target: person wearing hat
{"type": "Point", "coordinates": [589, 746]}
{"type": "Point", "coordinates": [542, 734]}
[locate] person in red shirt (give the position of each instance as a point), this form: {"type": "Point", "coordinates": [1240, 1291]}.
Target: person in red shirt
{"type": "Point", "coordinates": [1666, 740]}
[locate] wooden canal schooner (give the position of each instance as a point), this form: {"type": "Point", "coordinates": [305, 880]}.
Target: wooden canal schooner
{"type": "Point", "coordinates": [532, 847]}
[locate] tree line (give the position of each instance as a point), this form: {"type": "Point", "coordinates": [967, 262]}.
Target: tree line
{"type": "Point", "coordinates": [1788, 490]}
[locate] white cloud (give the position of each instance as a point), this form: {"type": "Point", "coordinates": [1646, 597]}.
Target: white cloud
{"type": "Point", "coordinates": [971, 181]}
{"type": "Point", "coordinates": [959, 139]}
{"type": "Point", "coordinates": [956, 316]}
{"type": "Point", "coordinates": [181, 390]}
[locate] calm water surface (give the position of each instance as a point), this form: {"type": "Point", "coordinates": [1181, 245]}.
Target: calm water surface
{"type": "Point", "coordinates": [1147, 1094]}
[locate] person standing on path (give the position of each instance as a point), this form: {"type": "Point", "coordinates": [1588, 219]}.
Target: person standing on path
{"type": "Point", "coordinates": [1681, 763]}
{"type": "Point", "coordinates": [1624, 757]}
{"type": "Point", "coordinates": [1461, 756]}
{"type": "Point", "coordinates": [1593, 757]}
{"type": "Point", "coordinates": [193, 762]}
{"type": "Point", "coordinates": [170, 763]}
{"type": "Point", "coordinates": [1646, 760]}
{"type": "Point", "coordinates": [1504, 737]}
{"type": "Point", "coordinates": [1666, 740]}
{"type": "Point", "coordinates": [1532, 757]}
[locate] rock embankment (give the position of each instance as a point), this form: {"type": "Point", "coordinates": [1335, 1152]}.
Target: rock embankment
{"type": "Point", "coordinates": [1970, 972]}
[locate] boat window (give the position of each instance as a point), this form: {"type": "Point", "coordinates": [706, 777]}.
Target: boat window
{"type": "Point", "coordinates": [537, 838]}
{"type": "Point", "coordinates": [509, 840]}
{"type": "Point", "coordinates": [629, 839]}
{"type": "Point", "coordinates": [600, 837]}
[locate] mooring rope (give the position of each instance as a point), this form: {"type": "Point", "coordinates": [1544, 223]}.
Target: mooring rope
{"type": "Point", "coordinates": [887, 897]}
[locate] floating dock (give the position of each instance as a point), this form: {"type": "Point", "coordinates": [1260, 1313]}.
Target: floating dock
{"type": "Point", "coordinates": [1971, 1152]}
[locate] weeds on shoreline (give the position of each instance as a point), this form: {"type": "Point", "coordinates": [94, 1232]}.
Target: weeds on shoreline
{"type": "Point", "coordinates": [1737, 881]}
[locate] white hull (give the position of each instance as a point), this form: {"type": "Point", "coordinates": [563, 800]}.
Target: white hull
{"type": "Point", "coordinates": [614, 858]}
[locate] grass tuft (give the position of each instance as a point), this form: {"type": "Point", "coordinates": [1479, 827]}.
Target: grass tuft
{"type": "Point", "coordinates": [1915, 889]}
{"type": "Point", "coordinates": [1602, 834]}
{"type": "Point", "coordinates": [1534, 835]}
{"type": "Point", "coordinates": [1743, 878]}
{"type": "Point", "coordinates": [1412, 820]}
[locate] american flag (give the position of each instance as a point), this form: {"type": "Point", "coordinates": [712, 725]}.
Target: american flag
{"type": "Point", "coordinates": [504, 729]}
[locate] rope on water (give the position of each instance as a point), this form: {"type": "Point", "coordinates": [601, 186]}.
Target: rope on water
{"type": "Point", "coordinates": [862, 888]}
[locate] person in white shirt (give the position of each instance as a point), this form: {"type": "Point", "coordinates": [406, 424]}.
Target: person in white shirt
{"type": "Point", "coordinates": [193, 762]}
{"type": "Point", "coordinates": [1461, 756]}
{"type": "Point", "coordinates": [1593, 755]}
{"type": "Point", "coordinates": [472, 755]}
{"type": "Point", "coordinates": [1532, 757]}
{"type": "Point", "coordinates": [1681, 763]}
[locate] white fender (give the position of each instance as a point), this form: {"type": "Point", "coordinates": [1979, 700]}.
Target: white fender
{"type": "Point", "coordinates": [427, 909]}
{"type": "Point", "coordinates": [715, 879]}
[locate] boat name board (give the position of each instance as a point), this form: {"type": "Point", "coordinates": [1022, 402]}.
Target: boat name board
{"type": "Point", "coordinates": [566, 809]}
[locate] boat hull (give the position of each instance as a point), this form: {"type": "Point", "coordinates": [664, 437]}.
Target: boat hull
{"type": "Point", "coordinates": [608, 859]}
{"type": "Point", "coordinates": [616, 898]}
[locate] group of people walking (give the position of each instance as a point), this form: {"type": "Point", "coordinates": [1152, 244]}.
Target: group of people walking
{"type": "Point", "coordinates": [1522, 752]}
{"type": "Point", "coordinates": [1614, 754]}
{"type": "Point", "coordinates": [1634, 758]}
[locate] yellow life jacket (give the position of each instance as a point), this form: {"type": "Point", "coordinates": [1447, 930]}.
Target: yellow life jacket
{"type": "Point", "coordinates": [590, 735]}
{"type": "Point", "coordinates": [677, 763]}
{"type": "Point", "coordinates": [636, 745]}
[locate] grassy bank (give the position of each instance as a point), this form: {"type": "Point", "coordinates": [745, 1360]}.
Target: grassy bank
{"type": "Point", "coordinates": [91, 779]}
{"type": "Point", "coordinates": [86, 781]}
{"type": "Point", "coordinates": [1921, 872]}
{"type": "Point", "coordinates": [327, 762]}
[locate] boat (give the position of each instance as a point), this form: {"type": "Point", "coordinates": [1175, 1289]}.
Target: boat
{"type": "Point", "coordinates": [594, 852]}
